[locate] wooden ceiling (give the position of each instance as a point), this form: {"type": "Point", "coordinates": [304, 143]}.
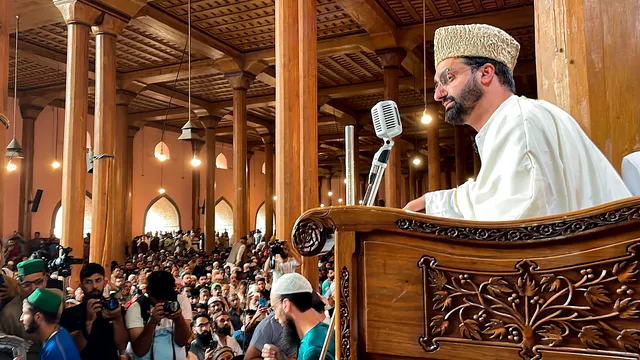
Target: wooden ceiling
{"type": "Point", "coordinates": [350, 75]}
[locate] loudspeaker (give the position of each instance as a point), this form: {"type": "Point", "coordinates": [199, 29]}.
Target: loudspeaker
{"type": "Point", "coordinates": [36, 200]}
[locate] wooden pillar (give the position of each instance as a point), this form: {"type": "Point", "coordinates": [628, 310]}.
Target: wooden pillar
{"type": "Point", "coordinates": [5, 24]}
{"type": "Point", "coordinates": [287, 118]}
{"type": "Point", "coordinates": [128, 217]}
{"type": "Point", "coordinates": [445, 179]}
{"type": "Point", "coordinates": [249, 214]}
{"type": "Point", "coordinates": [308, 120]}
{"type": "Point", "coordinates": [325, 187]}
{"type": "Point", "coordinates": [103, 193]}
{"type": "Point", "coordinates": [120, 176]}
{"type": "Point", "coordinates": [240, 81]}
{"type": "Point", "coordinates": [461, 154]}
{"type": "Point", "coordinates": [195, 188]}
{"type": "Point", "coordinates": [412, 181]}
{"type": "Point", "coordinates": [210, 192]}
{"type": "Point", "coordinates": [433, 143]}
{"type": "Point", "coordinates": [391, 60]}
{"type": "Point", "coordinates": [405, 188]}
{"type": "Point", "coordinates": [582, 50]}
{"type": "Point", "coordinates": [268, 185]}
{"type": "Point", "coordinates": [79, 17]}
{"type": "Point", "coordinates": [29, 115]}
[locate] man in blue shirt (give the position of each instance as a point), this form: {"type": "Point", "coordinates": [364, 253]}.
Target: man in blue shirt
{"type": "Point", "coordinates": [40, 316]}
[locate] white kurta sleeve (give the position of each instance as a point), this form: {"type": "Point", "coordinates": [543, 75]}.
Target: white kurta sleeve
{"type": "Point", "coordinates": [509, 185]}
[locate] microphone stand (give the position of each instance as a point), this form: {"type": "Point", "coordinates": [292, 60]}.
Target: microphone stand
{"type": "Point", "coordinates": [377, 171]}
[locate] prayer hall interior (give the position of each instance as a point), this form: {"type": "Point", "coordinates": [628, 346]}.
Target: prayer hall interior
{"type": "Point", "coordinates": [136, 116]}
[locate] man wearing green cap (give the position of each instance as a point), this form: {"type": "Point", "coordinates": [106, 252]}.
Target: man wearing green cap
{"type": "Point", "coordinates": [31, 276]}
{"type": "Point", "coordinates": [40, 317]}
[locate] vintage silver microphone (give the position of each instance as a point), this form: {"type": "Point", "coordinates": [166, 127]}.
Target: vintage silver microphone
{"type": "Point", "coordinates": [386, 122]}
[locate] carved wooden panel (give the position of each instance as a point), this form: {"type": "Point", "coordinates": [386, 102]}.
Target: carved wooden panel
{"type": "Point", "coordinates": [345, 314]}
{"type": "Point", "coordinates": [589, 306]}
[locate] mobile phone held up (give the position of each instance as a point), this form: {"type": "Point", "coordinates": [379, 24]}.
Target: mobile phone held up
{"type": "Point", "coordinates": [262, 302]}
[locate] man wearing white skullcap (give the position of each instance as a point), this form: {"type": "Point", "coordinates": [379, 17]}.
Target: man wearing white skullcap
{"type": "Point", "coordinates": [303, 330]}
{"type": "Point", "coordinates": [536, 160]}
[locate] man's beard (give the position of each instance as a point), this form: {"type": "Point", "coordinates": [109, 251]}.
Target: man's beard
{"type": "Point", "coordinates": [205, 338]}
{"type": "Point", "coordinates": [226, 331]}
{"type": "Point", "coordinates": [32, 327]}
{"type": "Point", "coordinates": [457, 113]}
{"type": "Point", "coordinates": [93, 294]}
{"type": "Point", "coordinates": [289, 341]}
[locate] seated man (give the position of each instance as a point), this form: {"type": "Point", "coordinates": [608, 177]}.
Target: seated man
{"type": "Point", "coordinates": [303, 327]}
{"type": "Point", "coordinates": [536, 160]}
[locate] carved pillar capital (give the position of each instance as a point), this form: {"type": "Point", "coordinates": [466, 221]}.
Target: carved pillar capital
{"type": "Point", "coordinates": [124, 97]}
{"type": "Point", "coordinates": [240, 80]}
{"type": "Point", "coordinates": [30, 112]}
{"type": "Point", "coordinates": [392, 57]}
{"type": "Point", "coordinates": [209, 122]}
{"type": "Point", "coordinates": [269, 138]}
{"type": "Point", "coordinates": [107, 24]}
{"type": "Point", "coordinates": [77, 12]}
{"type": "Point", "coordinates": [131, 132]}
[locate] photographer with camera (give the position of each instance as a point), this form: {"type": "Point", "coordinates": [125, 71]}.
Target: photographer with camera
{"type": "Point", "coordinates": [97, 324]}
{"type": "Point", "coordinates": [159, 322]}
{"type": "Point", "coordinates": [280, 261]}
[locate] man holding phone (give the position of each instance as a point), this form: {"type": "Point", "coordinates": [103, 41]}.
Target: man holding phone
{"type": "Point", "coordinates": [203, 345]}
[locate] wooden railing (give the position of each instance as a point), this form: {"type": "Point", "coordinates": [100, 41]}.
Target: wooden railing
{"type": "Point", "coordinates": [416, 286]}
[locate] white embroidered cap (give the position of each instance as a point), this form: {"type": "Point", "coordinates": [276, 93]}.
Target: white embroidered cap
{"type": "Point", "coordinates": [292, 283]}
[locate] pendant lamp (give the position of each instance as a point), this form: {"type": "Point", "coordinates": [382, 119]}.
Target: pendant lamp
{"type": "Point", "coordinates": [189, 129]}
{"type": "Point", "coordinates": [14, 150]}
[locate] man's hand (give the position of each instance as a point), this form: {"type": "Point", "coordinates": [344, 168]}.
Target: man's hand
{"type": "Point", "coordinates": [416, 205]}
{"type": "Point", "coordinates": [176, 315]}
{"type": "Point", "coordinates": [93, 307]}
{"type": "Point", "coordinates": [157, 313]}
{"type": "Point", "coordinates": [272, 352]}
{"type": "Point", "coordinates": [208, 354]}
{"type": "Point", "coordinates": [112, 314]}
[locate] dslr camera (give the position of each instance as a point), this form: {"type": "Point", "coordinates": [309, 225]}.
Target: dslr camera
{"type": "Point", "coordinates": [171, 307]}
{"type": "Point", "coordinates": [110, 303]}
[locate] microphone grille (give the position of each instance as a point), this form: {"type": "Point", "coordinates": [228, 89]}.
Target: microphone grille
{"type": "Point", "coordinates": [386, 119]}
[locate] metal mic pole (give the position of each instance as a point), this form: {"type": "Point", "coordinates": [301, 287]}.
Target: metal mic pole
{"type": "Point", "coordinates": [350, 158]}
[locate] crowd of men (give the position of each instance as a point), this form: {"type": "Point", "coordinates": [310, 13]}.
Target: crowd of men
{"type": "Point", "coordinates": [169, 301]}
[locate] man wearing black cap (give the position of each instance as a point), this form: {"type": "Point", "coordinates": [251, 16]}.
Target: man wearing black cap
{"type": "Point", "coordinates": [98, 332]}
{"type": "Point", "coordinates": [40, 317]}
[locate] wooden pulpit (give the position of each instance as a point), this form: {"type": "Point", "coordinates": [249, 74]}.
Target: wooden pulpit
{"type": "Point", "coordinates": [414, 286]}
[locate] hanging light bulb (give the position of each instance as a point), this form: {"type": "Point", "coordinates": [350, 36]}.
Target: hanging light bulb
{"type": "Point", "coordinates": [340, 201]}
{"type": "Point", "coordinates": [11, 166]}
{"type": "Point", "coordinates": [321, 205]}
{"type": "Point", "coordinates": [162, 190]}
{"type": "Point", "coordinates": [360, 202]}
{"type": "Point", "coordinates": [275, 197]}
{"type": "Point", "coordinates": [161, 151]}
{"type": "Point", "coordinates": [55, 164]}
{"type": "Point", "coordinates": [345, 180]}
{"type": "Point", "coordinates": [416, 161]}
{"type": "Point", "coordinates": [330, 193]}
{"type": "Point", "coordinates": [426, 118]}
{"type": "Point", "coordinates": [195, 162]}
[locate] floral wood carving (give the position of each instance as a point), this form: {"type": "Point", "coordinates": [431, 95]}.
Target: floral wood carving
{"type": "Point", "coordinates": [345, 319]}
{"type": "Point", "coordinates": [312, 235]}
{"type": "Point", "coordinates": [542, 231]}
{"type": "Point", "coordinates": [595, 306]}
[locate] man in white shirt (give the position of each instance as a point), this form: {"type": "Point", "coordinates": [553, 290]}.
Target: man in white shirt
{"type": "Point", "coordinates": [161, 334]}
{"type": "Point", "coordinates": [536, 160]}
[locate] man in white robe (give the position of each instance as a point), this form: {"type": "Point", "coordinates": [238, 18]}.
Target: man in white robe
{"type": "Point", "coordinates": [536, 160]}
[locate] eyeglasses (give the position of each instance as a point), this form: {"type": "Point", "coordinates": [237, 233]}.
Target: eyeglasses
{"type": "Point", "coordinates": [446, 77]}
{"type": "Point", "coordinates": [28, 284]}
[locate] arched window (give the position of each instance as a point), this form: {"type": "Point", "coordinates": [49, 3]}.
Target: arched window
{"type": "Point", "coordinates": [221, 161]}
{"type": "Point", "coordinates": [224, 217]}
{"type": "Point", "coordinates": [264, 168]}
{"type": "Point", "coordinates": [162, 215]}
{"type": "Point", "coordinates": [57, 222]}
{"type": "Point", "coordinates": [261, 221]}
